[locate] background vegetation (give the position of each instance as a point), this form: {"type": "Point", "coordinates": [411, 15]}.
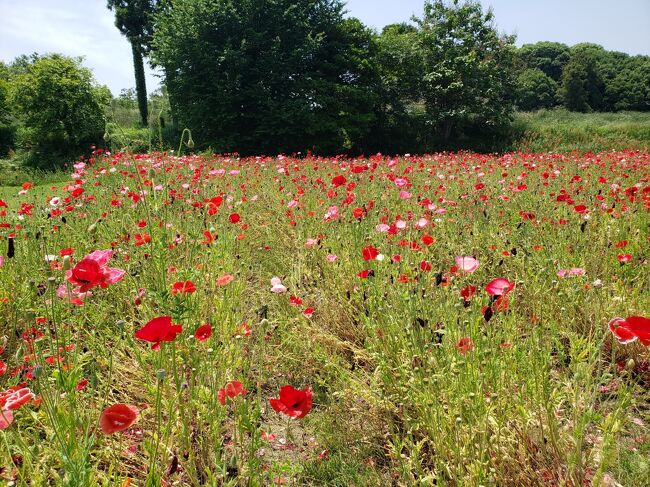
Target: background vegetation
{"type": "Point", "coordinates": [268, 77]}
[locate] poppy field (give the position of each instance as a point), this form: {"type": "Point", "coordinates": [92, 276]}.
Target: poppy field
{"type": "Point", "coordinates": [449, 319]}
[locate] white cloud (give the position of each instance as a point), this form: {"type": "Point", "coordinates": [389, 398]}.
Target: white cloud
{"type": "Point", "coordinates": [74, 28]}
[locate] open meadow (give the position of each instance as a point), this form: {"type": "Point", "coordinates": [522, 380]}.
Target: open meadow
{"type": "Point", "coordinates": [449, 319]}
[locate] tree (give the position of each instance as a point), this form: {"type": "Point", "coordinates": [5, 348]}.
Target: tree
{"type": "Point", "coordinates": [583, 85]}
{"type": "Point", "coordinates": [266, 75]}
{"type": "Point", "coordinates": [134, 20]}
{"type": "Point", "coordinates": [60, 105]}
{"type": "Point", "coordinates": [399, 63]}
{"type": "Point", "coordinates": [549, 57]}
{"type": "Point", "coordinates": [7, 128]}
{"type": "Point", "coordinates": [535, 90]}
{"type": "Point", "coordinates": [467, 68]}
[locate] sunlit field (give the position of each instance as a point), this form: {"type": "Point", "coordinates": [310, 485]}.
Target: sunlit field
{"type": "Point", "coordinates": [450, 319]}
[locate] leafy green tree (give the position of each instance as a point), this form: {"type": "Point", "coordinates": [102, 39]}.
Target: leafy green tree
{"type": "Point", "coordinates": [60, 105]}
{"type": "Point", "coordinates": [267, 75]}
{"type": "Point", "coordinates": [583, 84]}
{"type": "Point", "coordinates": [467, 67]}
{"type": "Point", "coordinates": [535, 90]}
{"type": "Point", "coordinates": [134, 20]}
{"type": "Point", "coordinates": [627, 82]}
{"type": "Point", "coordinates": [7, 128]}
{"type": "Point", "coordinates": [549, 57]}
{"type": "Point", "coordinates": [398, 61]}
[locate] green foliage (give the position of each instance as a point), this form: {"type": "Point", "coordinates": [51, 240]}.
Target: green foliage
{"type": "Point", "coordinates": [467, 68]}
{"type": "Point", "coordinates": [267, 76]}
{"type": "Point", "coordinates": [549, 57]}
{"type": "Point", "coordinates": [589, 77]}
{"type": "Point", "coordinates": [7, 128]}
{"type": "Point", "coordinates": [61, 108]}
{"type": "Point", "coordinates": [535, 89]}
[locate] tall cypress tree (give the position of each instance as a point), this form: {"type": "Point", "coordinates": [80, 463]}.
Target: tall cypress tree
{"type": "Point", "coordinates": [134, 19]}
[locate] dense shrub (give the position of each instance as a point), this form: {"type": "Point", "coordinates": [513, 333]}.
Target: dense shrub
{"type": "Point", "coordinates": [60, 106]}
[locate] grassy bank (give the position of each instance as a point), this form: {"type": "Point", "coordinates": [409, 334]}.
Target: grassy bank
{"type": "Point", "coordinates": [564, 131]}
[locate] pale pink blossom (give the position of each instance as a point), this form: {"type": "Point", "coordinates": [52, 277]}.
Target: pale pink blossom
{"type": "Point", "coordinates": [466, 263]}
{"type": "Point", "coordinates": [277, 286]}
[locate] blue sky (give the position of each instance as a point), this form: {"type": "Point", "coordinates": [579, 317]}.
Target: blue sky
{"type": "Point", "coordinates": [85, 28]}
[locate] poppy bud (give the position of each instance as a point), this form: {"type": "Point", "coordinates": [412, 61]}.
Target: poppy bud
{"type": "Point", "coordinates": [630, 364]}
{"type": "Point", "coordinates": [92, 229]}
{"type": "Point", "coordinates": [107, 136]}
{"type": "Point", "coordinates": [161, 374]}
{"type": "Point", "coordinates": [190, 143]}
{"type": "Point", "coordinates": [51, 282]}
{"type": "Point", "coordinates": [66, 263]}
{"type": "Point", "coordinates": [37, 371]}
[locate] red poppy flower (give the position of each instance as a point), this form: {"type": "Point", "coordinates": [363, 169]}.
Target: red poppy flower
{"type": "Point", "coordinates": [159, 330]}
{"type": "Point", "coordinates": [427, 240]}
{"type": "Point", "coordinates": [181, 287]}
{"type": "Point", "coordinates": [204, 332]}
{"type": "Point", "coordinates": [293, 402]}
{"type": "Point", "coordinates": [467, 292]}
{"type": "Point", "coordinates": [369, 253]}
{"type": "Point", "coordinates": [580, 209]}
{"type": "Point", "coordinates": [624, 258]}
{"type": "Point", "coordinates": [234, 218]}
{"type": "Point", "coordinates": [232, 389]}
{"type": "Point", "coordinates": [631, 329]}
{"type": "Point", "coordinates": [117, 417]}
{"type": "Point", "coordinates": [141, 239]}
{"type": "Point", "coordinates": [465, 345]}
{"type": "Point", "coordinates": [339, 180]}
{"type": "Point", "coordinates": [499, 287]}
{"type": "Point", "coordinates": [81, 385]}
{"type": "Point", "coordinates": [3, 368]}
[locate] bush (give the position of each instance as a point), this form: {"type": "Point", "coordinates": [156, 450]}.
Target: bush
{"type": "Point", "coordinates": [61, 108]}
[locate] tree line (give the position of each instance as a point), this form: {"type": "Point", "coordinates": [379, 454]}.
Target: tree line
{"type": "Point", "coordinates": [272, 76]}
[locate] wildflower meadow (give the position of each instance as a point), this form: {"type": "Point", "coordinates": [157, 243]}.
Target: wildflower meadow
{"type": "Point", "coordinates": [446, 319]}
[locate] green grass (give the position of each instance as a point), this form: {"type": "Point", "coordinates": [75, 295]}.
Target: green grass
{"type": "Point", "coordinates": [564, 131]}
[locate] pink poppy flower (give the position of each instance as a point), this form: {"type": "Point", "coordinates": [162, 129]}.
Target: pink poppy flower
{"type": "Point", "coordinates": [6, 418]}
{"type": "Point", "coordinates": [466, 263]}
{"type": "Point", "coordinates": [499, 287]}
{"type": "Point", "coordinates": [277, 286]}
{"type": "Point", "coordinates": [224, 279]}
{"type": "Point", "coordinates": [92, 271]}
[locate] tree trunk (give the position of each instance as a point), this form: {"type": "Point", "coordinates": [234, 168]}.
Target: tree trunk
{"type": "Point", "coordinates": [140, 82]}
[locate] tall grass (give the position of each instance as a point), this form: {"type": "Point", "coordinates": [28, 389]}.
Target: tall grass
{"type": "Point", "coordinates": [563, 131]}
